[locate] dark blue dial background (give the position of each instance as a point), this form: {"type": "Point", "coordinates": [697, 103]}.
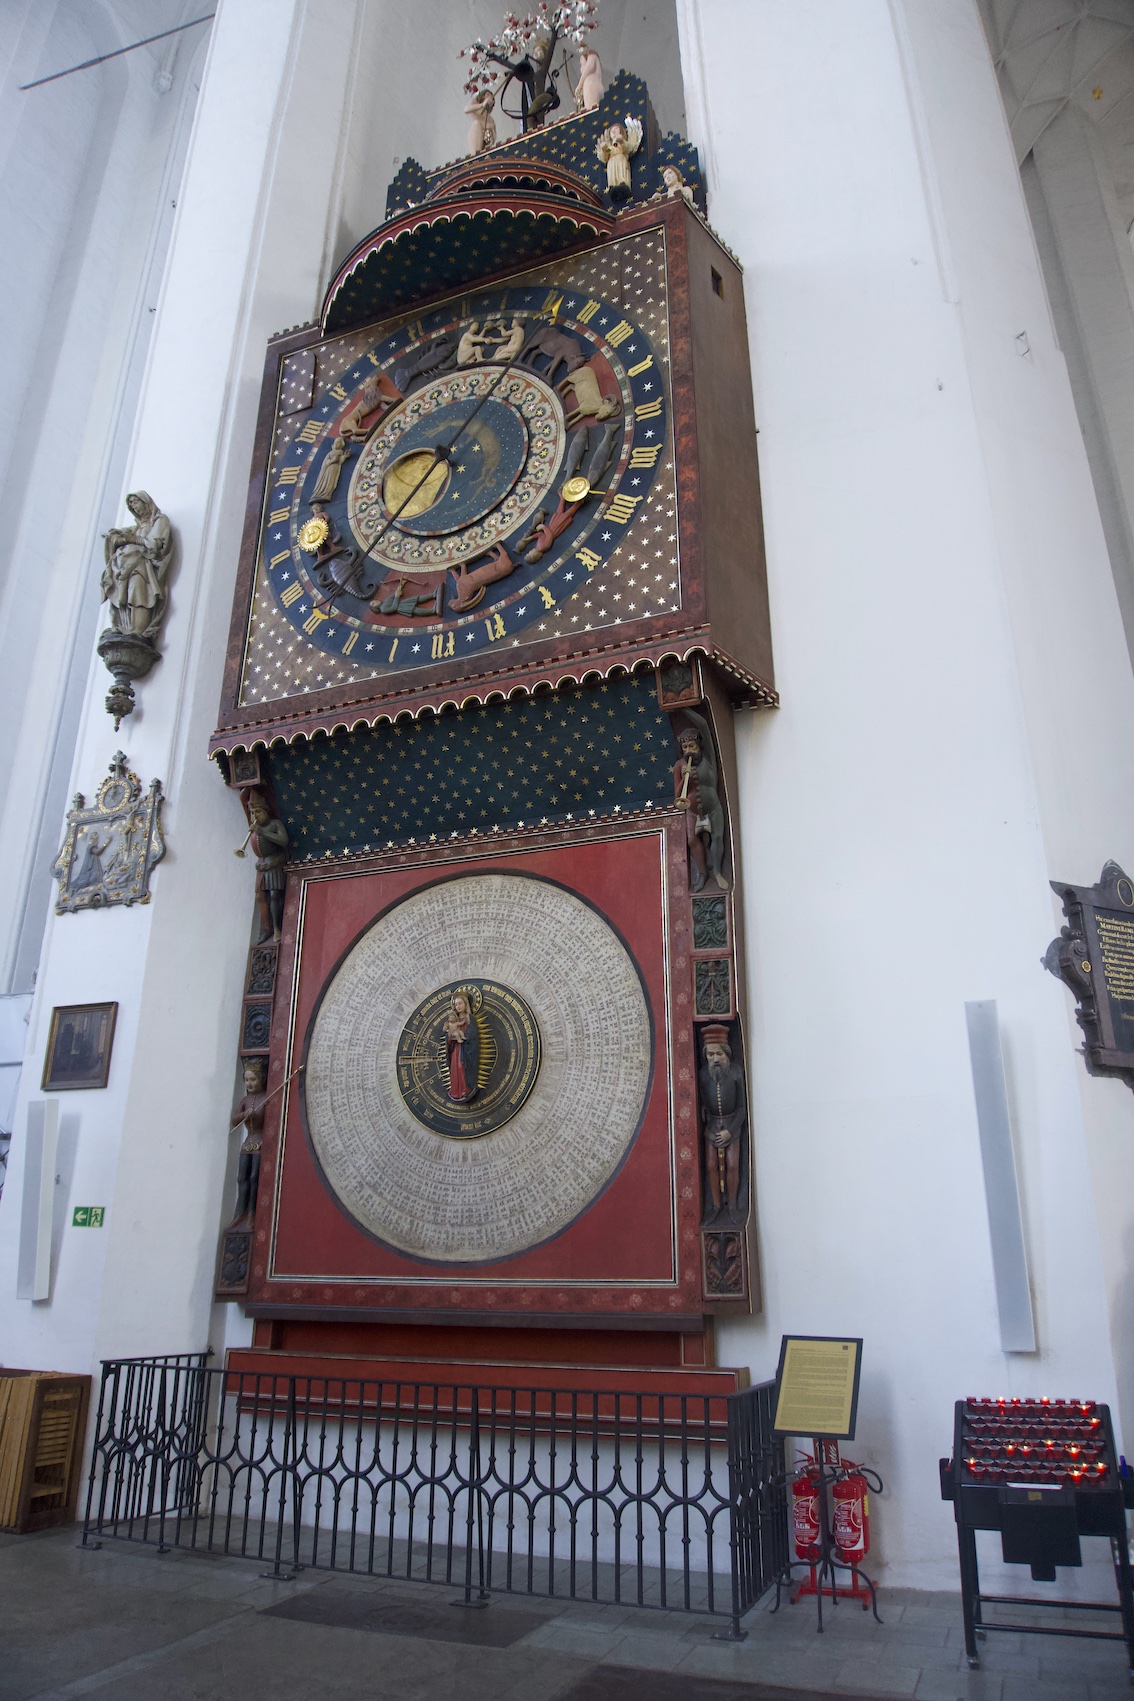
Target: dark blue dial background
{"type": "Point", "coordinates": [478, 477]}
{"type": "Point", "coordinates": [530, 592]}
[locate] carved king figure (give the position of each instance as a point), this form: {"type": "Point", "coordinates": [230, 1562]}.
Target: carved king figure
{"type": "Point", "coordinates": [724, 1114]}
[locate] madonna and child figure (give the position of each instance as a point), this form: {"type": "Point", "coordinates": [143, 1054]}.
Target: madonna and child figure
{"type": "Point", "coordinates": [462, 1048]}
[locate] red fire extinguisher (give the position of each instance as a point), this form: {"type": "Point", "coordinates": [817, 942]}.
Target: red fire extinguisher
{"type": "Point", "coordinates": [851, 1515]}
{"type": "Point", "coordinates": [805, 1512]}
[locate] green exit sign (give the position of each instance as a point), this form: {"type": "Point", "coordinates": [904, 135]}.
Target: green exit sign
{"type": "Point", "coordinates": [88, 1216]}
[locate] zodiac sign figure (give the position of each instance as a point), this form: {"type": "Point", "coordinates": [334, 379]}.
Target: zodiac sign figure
{"type": "Point", "coordinates": [331, 471]}
{"type": "Point", "coordinates": [374, 399]}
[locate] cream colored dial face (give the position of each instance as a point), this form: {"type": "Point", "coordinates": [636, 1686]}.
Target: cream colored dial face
{"type": "Point", "coordinates": [479, 1200]}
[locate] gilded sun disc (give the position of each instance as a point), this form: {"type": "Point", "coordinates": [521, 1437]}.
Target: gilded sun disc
{"type": "Point", "coordinates": [468, 1058]}
{"type": "Point", "coordinates": [314, 534]}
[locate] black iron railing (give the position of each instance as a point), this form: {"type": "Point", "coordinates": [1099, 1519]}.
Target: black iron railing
{"type": "Point", "coordinates": [655, 1500]}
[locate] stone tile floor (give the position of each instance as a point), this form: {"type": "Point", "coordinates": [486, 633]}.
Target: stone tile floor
{"type": "Point", "coordinates": [137, 1625]}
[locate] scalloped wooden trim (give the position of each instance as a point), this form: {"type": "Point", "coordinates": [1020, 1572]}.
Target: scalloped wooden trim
{"type": "Point", "coordinates": [549, 677]}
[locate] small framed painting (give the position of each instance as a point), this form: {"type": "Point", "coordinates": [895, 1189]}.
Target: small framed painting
{"type": "Point", "coordinates": [78, 1047]}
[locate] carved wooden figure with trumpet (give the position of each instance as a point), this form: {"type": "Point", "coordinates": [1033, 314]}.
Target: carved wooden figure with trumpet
{"type": "Point", "coordinates": [269, 842]}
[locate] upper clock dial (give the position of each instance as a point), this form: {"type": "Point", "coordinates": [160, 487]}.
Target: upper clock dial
{"type": "Point", "coordinates": [463, 476]}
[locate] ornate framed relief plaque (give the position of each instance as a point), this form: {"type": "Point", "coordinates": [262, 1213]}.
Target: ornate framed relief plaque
{"type": "Point", "coordinates": [112, 845]}
{"type": "Point", "coordinates": [1094, 957]}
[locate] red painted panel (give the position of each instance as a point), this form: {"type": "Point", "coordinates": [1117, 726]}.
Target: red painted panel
{"type": "Point", "coordinates": [618, 1256]}
{"type": "Point", "coordinates": [626, 1349]}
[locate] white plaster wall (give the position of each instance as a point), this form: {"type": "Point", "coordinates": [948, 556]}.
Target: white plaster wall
{"type": "Point", "coordinates": [152, 1146]}
{"type": "Point", "coordinates": [88, 174]}
{"type": "Point", "coordinates": [955, 729]}
{"type": "Point", "coordinates": [1096, 266]}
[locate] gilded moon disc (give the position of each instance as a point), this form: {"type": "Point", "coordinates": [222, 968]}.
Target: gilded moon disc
{"type": "Point", "coordinates": [466, 1068]}
{"type": "Point", "coordinates": [461, 1200]}
{"type": "Point", "coordinates": [414, 484]}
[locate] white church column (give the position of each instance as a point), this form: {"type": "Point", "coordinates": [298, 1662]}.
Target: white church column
{"type": "Point", "coordinates": [1081, 219]}
{"type": "Point", "coordinates": [248, 250]}
{"type": "Point", "coordinates": [89, 164]}
{"type": "Point", "coordinates": [949, 740]}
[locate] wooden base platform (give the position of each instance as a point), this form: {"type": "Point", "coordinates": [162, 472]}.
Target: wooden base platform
{"type": "Point", "coordinates": [553, 1360]}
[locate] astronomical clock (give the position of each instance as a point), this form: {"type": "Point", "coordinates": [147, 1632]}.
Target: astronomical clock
{"type": "Point", "coordinates": [501, 591]}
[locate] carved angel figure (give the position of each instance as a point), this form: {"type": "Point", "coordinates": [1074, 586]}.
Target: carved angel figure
{"type": "Point", "coordinates": [615, 147]}
{"type": "Point", "coordinates": [673, 185]}
{"type": "Point", "coordinates": [137, 562]}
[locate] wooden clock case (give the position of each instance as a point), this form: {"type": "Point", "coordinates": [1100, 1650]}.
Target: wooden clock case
{"type": "Point", "coordinates": [723, 615]}
{"type": "Point", "coordinates": [633, 1284]}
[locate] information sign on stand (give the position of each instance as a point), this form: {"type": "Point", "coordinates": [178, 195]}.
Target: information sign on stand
{"type": "Point", "coordinates": [817, 1386]}
{"type": "Point", "coordinates": [817, 1397]}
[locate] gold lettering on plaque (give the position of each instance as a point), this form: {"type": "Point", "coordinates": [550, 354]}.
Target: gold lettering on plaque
{"type": "Point", "coordinates": [1116, 937]}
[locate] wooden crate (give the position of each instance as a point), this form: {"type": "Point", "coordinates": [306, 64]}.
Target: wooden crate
{"type": "Point", "coordinates": [43, 1423]}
